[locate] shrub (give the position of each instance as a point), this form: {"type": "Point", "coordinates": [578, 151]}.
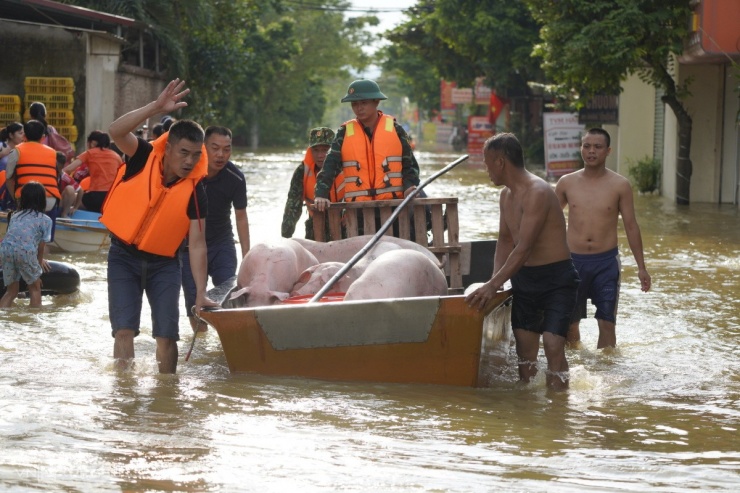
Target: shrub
{"type": "Point", "coordinates": [645, 174]}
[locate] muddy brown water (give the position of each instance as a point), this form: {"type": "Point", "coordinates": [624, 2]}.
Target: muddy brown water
{"type": "Point", "coordinates": [662, 412]}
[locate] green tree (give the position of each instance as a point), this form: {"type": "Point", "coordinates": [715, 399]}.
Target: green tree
{"type": "Point", "coordinates": [591, 46]}
{"type": "Point", "coordinates": [416, 77]}
{"type": "Point", "coordinates": [465, 39]}
{"type": "Point", "coordinates": [258, 66]}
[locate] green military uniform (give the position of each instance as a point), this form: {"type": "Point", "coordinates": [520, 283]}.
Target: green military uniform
{"type": "Point", "coordinates": [295, 201]}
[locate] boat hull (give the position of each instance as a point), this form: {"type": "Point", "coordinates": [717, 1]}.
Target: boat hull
{"type": "Point", "coordinates": [80, 233]}
{"type": "Point", "coordinates": [432, 340]}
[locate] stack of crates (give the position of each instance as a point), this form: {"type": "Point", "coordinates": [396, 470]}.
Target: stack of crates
{"type": "Point", "coordinates": [10, 109]}
{"type": "Point", "coordinates": [57, 94]}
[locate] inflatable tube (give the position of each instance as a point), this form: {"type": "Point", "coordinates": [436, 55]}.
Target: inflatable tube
{"type": "Point", "coordinates": [61, 279]}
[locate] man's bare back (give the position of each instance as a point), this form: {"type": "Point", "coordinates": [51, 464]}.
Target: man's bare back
{"type": "Point", "coordinates": [530, 205]}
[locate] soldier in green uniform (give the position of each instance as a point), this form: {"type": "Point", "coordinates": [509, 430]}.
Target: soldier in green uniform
{"type": "Point", "coordinates": [364, 96]}
{"type": "Point", "coordinates": [304, 180]}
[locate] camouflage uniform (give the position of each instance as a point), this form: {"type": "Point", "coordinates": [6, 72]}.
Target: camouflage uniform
{"type": "Point", "coordinates": [333, 163]}
{"type": "Point", "coordinates": [294, 204]}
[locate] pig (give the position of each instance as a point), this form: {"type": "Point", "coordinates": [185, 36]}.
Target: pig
{"type": "Point", "coordinates": [316, 276]}
{"type": "Point", "coordinates": [268, 272]}
{"type": "Point", "coordinates": [399, 274]}
{"type": "Point", "coordinates": [344, 250]}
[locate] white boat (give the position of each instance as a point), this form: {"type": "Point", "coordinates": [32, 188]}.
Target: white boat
{"type": "Point", "coordinates": [79, 233]}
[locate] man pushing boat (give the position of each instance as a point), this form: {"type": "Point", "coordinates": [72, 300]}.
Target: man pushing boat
{"type": "Point", "coordinates": [157, 199]}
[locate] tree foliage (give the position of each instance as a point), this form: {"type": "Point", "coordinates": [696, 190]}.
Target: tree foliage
{"type": "Point", "coordinates": [465, 39]}
{"type": "Point", "coordinates": [257, 66]}
{"type": "Point", "coordinates": [591, 46]}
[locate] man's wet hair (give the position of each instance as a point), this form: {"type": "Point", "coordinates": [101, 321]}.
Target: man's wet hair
{"type": "Point", "coordinates": [34, 130]}
{"type": "Point", "coordinates": [599, 131]}
{"type": "Point", "coordinates": [509, 145]}
{"type": "Point", "coordinates": [218, 130]}
{"type": "Point", "coordinates": [186, 129]}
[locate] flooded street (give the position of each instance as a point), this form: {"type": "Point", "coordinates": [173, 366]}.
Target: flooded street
{"type": "Point", "coordinates": [662, 412]}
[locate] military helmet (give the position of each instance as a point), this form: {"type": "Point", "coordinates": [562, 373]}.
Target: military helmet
{"type": "Point", "coordinates": [320, 136]}
{"type": "Point", "coordinates": [363, 89]}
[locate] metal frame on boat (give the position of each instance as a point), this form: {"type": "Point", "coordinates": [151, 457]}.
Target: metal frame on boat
{"type": "Point", "coordinates": [432, 340]}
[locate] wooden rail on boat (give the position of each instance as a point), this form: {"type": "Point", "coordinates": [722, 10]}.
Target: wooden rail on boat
{"type": "Point", "coordinates": [348, 219]}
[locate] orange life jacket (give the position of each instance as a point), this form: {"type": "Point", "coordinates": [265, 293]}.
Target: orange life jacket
{"type": "Point", "coordinates": [143, 212]}
{"type": "Point", "coordinates": [336, 192]}
{"type": "Point", "coordinates": [37, 162]}
{"type": "Point", "coordinates": [372, 169]}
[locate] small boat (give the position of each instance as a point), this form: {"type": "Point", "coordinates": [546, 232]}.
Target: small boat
{"type": "Point", "coordinates": [430, 340]}
{"type": "Point", "coordinates": [79, 233]}
{"type": "Point", "coordinates": [61, 279]}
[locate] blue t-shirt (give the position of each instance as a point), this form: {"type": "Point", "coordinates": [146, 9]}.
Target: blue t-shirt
{"type": "Point", "coordinates": [26, 230]}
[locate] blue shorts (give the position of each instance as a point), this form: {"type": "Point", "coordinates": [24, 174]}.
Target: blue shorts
{"type": "Point", "coordinates": [600, 279]}
{"type": "Point", "coordinates": [129, 276]}
{"type": "Point", "coordinates": [221, 267]}
{"type": "Point", "coordinates": [544, 297]}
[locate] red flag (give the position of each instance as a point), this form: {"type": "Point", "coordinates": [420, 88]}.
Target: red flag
{"type": "Point", "coordinates": [494, 108]}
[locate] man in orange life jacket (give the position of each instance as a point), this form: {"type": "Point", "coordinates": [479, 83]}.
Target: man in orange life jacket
{"type": "Point", "coordinates": [304, 181]}
{"type": "Point", "coordinates": [34, 161]}
{"type": "Point", "coordinates": [372, 150]}
{"type": "Point", "coordinates": [157, 199]}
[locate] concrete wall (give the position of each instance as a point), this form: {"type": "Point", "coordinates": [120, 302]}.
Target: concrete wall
{"type": "Point", "coordinates": [632, 140]}
{"type": "Point", "coordinates": [705, 108]}
{"type": "Point", "coordinates": [103, 55]}
{"type": "Point", "coordinates": [135, 87]}
{"type": "Point", "coordinates": [104, 88]}
{"type": "Point", "coordinates": [31, 50]}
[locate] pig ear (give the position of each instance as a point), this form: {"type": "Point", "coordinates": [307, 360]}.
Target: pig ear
{"type": "Point", "coordinates": [278, 296]}
{"type": "Point", "coordinates": [240, 292]}
{"type": "Point", "coordinates": [304, 277]}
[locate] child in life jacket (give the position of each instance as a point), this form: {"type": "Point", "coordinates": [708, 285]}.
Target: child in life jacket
{"type": "Point", "coordinates": [22, 249]}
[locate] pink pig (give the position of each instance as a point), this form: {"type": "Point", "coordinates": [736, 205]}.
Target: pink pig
{"type": "Point", "coordinates": [399, 274]}
{"type": "Point", "coordinates": [268, 272]}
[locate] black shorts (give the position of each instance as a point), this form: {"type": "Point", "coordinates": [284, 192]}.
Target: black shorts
{"type": "Point", "coordinates": [544, 297]}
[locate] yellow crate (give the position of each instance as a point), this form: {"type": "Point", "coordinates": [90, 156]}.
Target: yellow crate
{"type": "Point", "coordinates": [48, 82]}
{"type": "Point", "coordinates": [55, 117]}
{"type": "Point", "coordinates": [51, 101]}
{"type": "Point", "coordinates": [68, 132]}
{"type": "Point", "coordinates": [7, 117]}
{"type": "Point", "coordinates": [10, 102]}
{"type": "Point", "coordinates": [48, 98]}
{"type": "Point", "coordinates": [49, 90]}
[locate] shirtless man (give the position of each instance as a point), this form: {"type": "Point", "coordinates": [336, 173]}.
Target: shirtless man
{"type": "Point", "coordinates": [532, 251]}
{"type": "Point", "coordinates": [595, 197]}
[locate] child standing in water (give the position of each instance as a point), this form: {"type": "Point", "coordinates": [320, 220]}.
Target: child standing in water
{"type": "Point", "coordinates": [22, 249]}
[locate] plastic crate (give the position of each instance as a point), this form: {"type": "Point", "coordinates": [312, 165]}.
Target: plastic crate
{"type": "Point", "coordinates": [48, 98]}
{"type": "Point", "coordinates": [51, 101]}
{"type": "Point", "coordinates": [43, 83]}
{"type": "Point", "coordinates": [49, 90]}
{"type": "Point", "coordinates": [57, 118]}
{"type": "Point", "coordinates": [10, 102]}
{"type": "Point", "coordinates": [68, 132]}
{"type": "Point", "coordinates": [7, 117]}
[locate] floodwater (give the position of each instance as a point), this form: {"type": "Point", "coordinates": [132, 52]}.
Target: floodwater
{"type": "Point", "coordinates": [660, 413]}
